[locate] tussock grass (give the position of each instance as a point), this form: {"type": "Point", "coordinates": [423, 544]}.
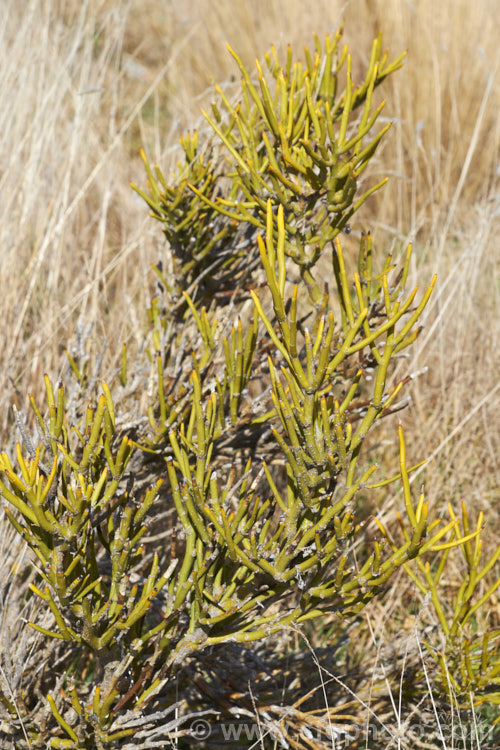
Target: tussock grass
{"type": "Point", "coordinates": [85, 84]}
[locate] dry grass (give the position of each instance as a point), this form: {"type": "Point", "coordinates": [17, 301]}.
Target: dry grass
{"type": "Point", "coordinates": [85, 84]}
